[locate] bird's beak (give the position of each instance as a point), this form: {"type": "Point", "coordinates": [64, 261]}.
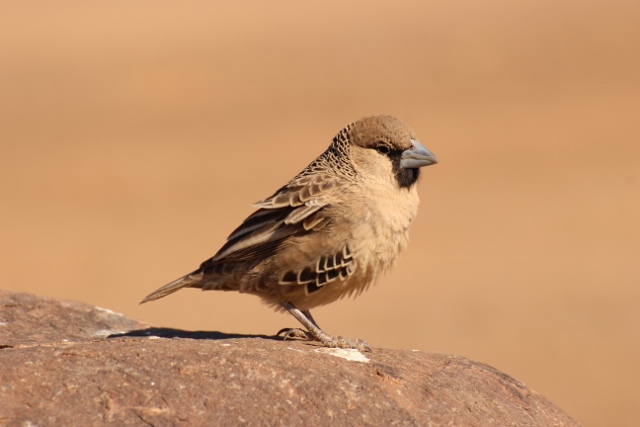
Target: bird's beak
{"type": "Point", "coordinates": [417, 156]}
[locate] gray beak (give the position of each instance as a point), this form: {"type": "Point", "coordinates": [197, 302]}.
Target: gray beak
{"type": "Point", "coordinates": [417, 156]}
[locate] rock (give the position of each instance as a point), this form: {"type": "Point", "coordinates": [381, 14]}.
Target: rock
{"type": "Point", "coordinates": [66, 363]}
{"type": "Point", "coordinates": [27, 319]}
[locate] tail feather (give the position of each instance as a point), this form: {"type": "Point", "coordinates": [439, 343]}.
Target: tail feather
{"type": "Point", "coordinates": [190, 280]}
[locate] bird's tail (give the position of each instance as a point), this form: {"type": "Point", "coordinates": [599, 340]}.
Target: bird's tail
{"type": "Point", "coordinates": [191, 280]}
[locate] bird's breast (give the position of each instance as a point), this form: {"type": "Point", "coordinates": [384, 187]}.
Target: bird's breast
{"type": "Point", "coordinates": [380, 230]}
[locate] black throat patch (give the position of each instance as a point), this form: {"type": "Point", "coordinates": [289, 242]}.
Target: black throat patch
{"type": "Point", "coordinates": [405, 177]}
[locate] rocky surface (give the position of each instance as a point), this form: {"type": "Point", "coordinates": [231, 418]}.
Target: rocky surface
{"type": "Point", "coordinates": [65, 363]}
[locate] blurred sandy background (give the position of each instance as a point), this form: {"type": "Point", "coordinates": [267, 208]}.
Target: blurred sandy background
{"type": "Point", "coordinates": [135, 135]}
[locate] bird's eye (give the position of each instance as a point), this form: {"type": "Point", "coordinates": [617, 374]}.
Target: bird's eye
{"type": "Point", "coordinates": [383, 149]}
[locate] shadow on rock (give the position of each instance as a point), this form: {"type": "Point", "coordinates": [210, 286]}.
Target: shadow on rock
{"type": "Point", "coordinates": [194, 335]}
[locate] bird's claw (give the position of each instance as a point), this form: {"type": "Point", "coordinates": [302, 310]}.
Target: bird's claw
{"type": "Point", "coordinates": [325, 339]}
{"type": "Point", "coordinates": [339, 342]}
{"type": "Point", "coordinates": [295, 334]}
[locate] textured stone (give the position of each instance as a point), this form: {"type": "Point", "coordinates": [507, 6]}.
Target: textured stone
{"type": "Point", "coordinates": [67, 363]}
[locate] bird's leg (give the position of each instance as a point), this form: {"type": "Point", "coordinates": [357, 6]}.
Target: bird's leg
{"type": "Point", "coordinates": [307, 313]}
{"type": "Point", "coordinates": [314, 332]}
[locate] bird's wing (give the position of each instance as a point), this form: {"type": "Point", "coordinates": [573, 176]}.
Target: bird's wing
{"type": "Point", "coordinates": [326, 269]}
{"type": "Point", "coordinates": [294, 210]}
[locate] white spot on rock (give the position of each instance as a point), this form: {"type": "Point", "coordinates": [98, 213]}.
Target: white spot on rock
{"type": "Point", "coordinates": [350, 354]}
{"type": "Point", "coordinates": [106, 310]}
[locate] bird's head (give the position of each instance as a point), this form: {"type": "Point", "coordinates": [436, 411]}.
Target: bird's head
{"type": "Point", "coordinates": [384, 147]}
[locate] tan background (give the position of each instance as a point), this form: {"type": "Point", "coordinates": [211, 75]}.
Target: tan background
{"type": "Point", "coordinates": [134, 136]}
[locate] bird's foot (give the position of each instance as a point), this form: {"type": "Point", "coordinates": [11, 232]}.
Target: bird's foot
{"type": "Point", "coordinates": [325, 339]}
{"type": "Point", "coordinates": [295, 334]}
{"type": "Point", "coordinates": [313, 331]}
{"type": "Point", "coordinates": [339, 342]}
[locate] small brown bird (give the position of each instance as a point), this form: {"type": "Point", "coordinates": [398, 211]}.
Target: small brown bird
{"type": "Point", "coordinates": [327, 234]}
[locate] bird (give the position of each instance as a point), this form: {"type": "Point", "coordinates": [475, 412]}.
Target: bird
{"type": "Point", "coordinates": [329, 233]}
